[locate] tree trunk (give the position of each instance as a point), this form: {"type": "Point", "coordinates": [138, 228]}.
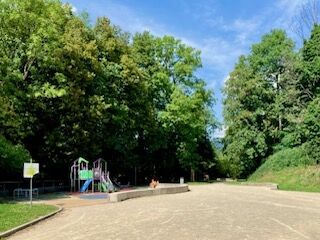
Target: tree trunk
{"type": "Point", "coordinates": [280, 122]}
{"type": "Point", "coordinates": [278, 93]}
{"type": "Point", "coordinates": [192, 175]}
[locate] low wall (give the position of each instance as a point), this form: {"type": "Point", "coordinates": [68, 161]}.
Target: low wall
{"type": "Point", "coordinates": [272, 186]}
{"type": "Point", "coordinates": [161, 189]}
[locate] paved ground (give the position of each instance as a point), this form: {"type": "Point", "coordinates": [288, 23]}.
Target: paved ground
{"type": "Point", "coordinates": [71, 201]}
{"type": "Point", "coordinates": [214, 211]}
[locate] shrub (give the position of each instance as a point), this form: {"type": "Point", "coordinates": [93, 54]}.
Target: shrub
{"type": "Point", "coordinates": [289, 157]}
{"type": "Point", "coordinates": [311, 127]}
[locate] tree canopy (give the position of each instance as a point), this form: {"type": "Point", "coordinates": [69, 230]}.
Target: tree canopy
{"type": "Point", "coordinates": [70, 88]}
{"type": "Point", "coordinates": [271, 102]}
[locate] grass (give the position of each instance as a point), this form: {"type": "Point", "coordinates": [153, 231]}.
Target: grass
{"type": "Point", "coordinates": [235, 182]}
{"type": "Point", "coordinates": [300, 178]}
{"type": "Point", "coordinates": [13, 214]}
{"type": "Point", "coordinates": [198, 183]}
{"type": "Point", "coordinates": [291, 168]}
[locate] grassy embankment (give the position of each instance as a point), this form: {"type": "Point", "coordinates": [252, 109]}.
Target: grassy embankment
{"type": "Point", "coordinates": [291, 169]}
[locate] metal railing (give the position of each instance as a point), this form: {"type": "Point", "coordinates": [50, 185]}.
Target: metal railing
{"type": "Point", "coordinates": [44, 186]}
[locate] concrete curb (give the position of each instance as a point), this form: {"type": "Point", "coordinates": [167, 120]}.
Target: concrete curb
{"type": "Point", "coordinates": [25, 225]}
{"type": "Point", "coordinates": [272, 186]}
{"type": "Point", "coordinates": [162, 189]}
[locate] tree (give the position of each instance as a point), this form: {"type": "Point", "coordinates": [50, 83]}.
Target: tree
{"type": "Point", "coordinates": [244, 111]}
{"type": "Point", "coordinates": [310, 88]}
{"type": "Point", "coordinates": [308, 16]}
{"type": "Point", "coordinates": [310, 76]}
{"type": "Point", "coordinates": [174, 92]}
{"type": "Point", "coordinates": [311, 129]}
{"type": "Point", "coordinates": [260, 93]}
{"type": "Point", "coordinates": [70, 89]}
{"type": "Point", "coordinates": [12, 158]}
{"type": "Point", "coordinates": [189, 117]}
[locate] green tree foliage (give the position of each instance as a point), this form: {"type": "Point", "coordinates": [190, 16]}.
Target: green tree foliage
{"type": "Point", "coordinates": [174, 91]}
{"type": "Point", "coordinates": [188, 118]}
{"type": "Point", "coordinates": [70, 89]}
{"type": "Point", "coordinates": [272, 106]}
{"type": "Point", "coordinates": [311, 129]}
{"type": "Point", "coordinates": [310, 85]}
{"type": "Point", "coordinates": [260, 95]}
{"type": "Point", "coordinates": [12, 157]}
{"type": "Point", "coordinates": [310, 77]}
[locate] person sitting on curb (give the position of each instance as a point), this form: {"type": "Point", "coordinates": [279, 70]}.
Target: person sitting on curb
{"type": "Point", "coordinates": [154, 183]}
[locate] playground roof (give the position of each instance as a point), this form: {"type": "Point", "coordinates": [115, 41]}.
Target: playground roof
{"type": "Point", "coordinates": [100, 159]}
{"type": "Point", "coordinates": [80, 160]}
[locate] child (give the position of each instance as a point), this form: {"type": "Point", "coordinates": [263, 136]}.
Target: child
{"type": "Point", "coordinates": [154, 183]}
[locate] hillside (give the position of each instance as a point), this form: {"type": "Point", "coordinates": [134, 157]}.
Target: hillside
{"type": "Point", "coordinates": [291, 169]}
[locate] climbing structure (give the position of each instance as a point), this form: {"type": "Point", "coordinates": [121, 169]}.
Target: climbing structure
{"type": "Point", "coordinates": [80, 172]}
{"type": "Point", "coordinates": [82, 177]}
{"type": "Point", "coordinates": [101, 174]}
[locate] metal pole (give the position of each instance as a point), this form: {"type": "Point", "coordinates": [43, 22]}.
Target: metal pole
{"type": "Point", "coordinates": [135, 176]}
{"type": "Point", "coordinates": [78, 174]}
{"type": "Point", "coordinates": [100, 173]}
{"type": "Point", "coordinates": [30, 193]}
{"type": "Point", "coordinates": [71, 179]}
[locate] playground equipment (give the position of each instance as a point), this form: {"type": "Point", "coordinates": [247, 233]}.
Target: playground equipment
{"type": "Point", "coordinates": [80, 173]}
{"type": "Point", "coordinates": [100, 173]}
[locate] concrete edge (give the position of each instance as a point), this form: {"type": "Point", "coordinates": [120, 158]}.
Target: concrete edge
{"type": "Point", "coordinates": [32, 222]}
{"type": "Point", "coordinates": [271, 186]}
{"type": "Point", "coordinates": [164, 189]}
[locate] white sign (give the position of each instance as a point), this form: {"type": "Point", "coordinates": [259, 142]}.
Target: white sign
{"type": "Point", "coordinates": [30, 169]}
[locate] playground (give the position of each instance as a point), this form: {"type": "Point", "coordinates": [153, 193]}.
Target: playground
{"type": "Point", "coordinates": [212, 211]}
{"type": "Point", "coordinates": [82, 177]}
{"type": "Point", "coordinates": [88, 181]}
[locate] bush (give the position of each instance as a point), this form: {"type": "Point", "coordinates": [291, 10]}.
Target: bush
{"type": "Point", "coordinates": [311, 127]}
{"type": "Point", "coordinates": [290, 157]}
{"type": "Point", "coordinates": [12, 158]}
{"type": "Point", "coordinates": [291, 139]}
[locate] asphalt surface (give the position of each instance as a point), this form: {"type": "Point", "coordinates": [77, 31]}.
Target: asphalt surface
{"type": "Point", "coordinates": [215, 211]}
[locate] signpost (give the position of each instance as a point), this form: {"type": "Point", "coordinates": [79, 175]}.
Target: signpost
{"type": "Point", "coordinates": [29, 170]}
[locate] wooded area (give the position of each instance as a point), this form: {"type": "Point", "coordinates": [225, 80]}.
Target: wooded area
{"type": "Point", "coordinates": [272, 106]}
{"type": "Point", "coordinates": [70, 89]}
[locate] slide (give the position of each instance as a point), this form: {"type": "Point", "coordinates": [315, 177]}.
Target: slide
{"type": "Point", "coordinates": [104, 188]}
{"type": "Point", "coordinates": [85, 185]}
{"type": "Point", "coordinates": [108, 184]}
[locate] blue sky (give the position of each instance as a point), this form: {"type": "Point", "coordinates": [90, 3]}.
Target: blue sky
{"type": "Point", "coordinates": [221, 29]}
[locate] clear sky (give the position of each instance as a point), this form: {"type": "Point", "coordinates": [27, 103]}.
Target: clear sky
{"type": "Point", "coordinates": [221, 29]}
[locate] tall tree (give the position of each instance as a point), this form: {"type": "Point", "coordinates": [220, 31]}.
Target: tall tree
{"type": "Point", "coordinates": [310, 77]}
{"type": "Point", "coordinates": [260, 93]}
{"type": "Point", "coordinates": [174, 91]}
{"type": "Point", "coordinates": [308, 16]}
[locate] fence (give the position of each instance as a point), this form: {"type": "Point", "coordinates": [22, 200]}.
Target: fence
{"type": "Point", "coordinates": [44, 186]}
